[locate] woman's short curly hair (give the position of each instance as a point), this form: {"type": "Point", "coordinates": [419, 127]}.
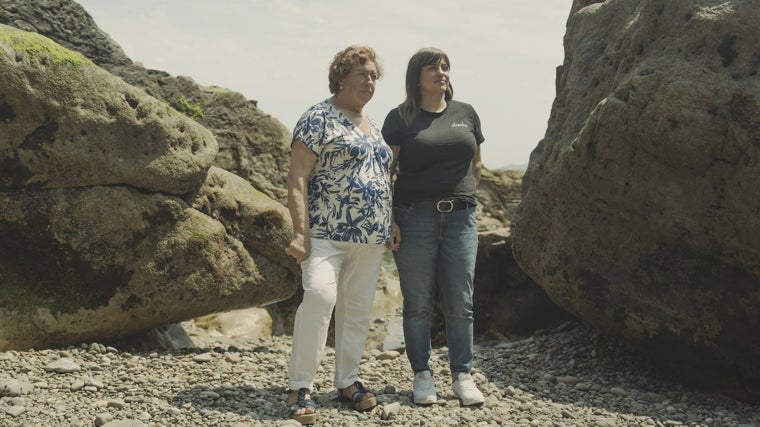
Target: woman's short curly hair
{"type": "Point", "coordinates": [345, 60]}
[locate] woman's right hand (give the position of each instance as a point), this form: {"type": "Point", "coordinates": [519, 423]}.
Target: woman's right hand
{"type": "Point", "coordinates": [299, 248]}
{"type": "Point", "coordinates": [395, 241]}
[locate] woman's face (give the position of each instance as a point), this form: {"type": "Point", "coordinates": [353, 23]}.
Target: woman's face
{"type": "Point", "coordinates": [359, 84]}
{"type": "Point", "coordinates": [434, 78]}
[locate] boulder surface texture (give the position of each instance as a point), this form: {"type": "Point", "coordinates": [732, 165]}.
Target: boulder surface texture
{"type": "Point", "coordinates": [107, 211]}
{"type": "Point", "coordinates": [641, 208]}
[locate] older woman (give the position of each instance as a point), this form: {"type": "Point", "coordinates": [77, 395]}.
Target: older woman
{"type": "Point", "coordinates": [339, 200]}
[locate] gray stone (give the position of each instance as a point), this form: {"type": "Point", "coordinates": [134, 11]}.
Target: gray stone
{"type": "Point", "coordinates": [64, 365]}
{"type": "Point", "coordinates": [124, 423]}
{"type": "Point", "coordinates": [390, 411]}
{"type": "Point", "coordinates": [10, 387]}
{"type": "Point", "coordinates": [203, 358]}
{"type": "Point", "coordinates": [15, 411]}
{"type": "Point", "coordinates": [638, 215]}
{"type": "Point", "coordinates": [103, 418]}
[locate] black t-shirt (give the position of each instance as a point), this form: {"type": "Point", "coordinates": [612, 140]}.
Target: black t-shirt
{"type": "Point", "coordinates": [435, 160]}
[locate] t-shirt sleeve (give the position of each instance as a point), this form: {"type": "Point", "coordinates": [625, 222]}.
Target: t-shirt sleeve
{"type": "Point", "coordinates": [310, 130]}
{"type": "Point", "coordinates": [392, 128]}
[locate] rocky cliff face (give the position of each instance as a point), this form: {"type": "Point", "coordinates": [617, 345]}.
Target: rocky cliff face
{"type": "Point", "coordinates": [640, 212]}
{"type": "Point", "coordinates": [67, 23]}
{"type": "Point", "coordinates": [113, 218]}
{"type": "Point", "coordinates": [252, 144]}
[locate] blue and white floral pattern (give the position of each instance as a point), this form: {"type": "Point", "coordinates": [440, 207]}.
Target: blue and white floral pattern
{"type": "Point", "coordinates": [349, 190]}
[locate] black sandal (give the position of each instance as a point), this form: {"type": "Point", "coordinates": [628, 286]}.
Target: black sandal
{"type": "Point", "coordinates": [358, 399]}
{"type": "Point", "coordinates": [303, 403]}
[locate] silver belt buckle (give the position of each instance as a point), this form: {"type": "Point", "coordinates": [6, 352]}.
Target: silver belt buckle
{"type": "Point", "coordinates": [450, 206]}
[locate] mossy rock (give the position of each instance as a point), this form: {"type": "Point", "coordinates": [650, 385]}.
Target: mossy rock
{"type": "Point", "coordinates": [37, 47]}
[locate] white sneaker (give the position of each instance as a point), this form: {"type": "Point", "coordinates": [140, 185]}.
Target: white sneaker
{"type": "Point", "coordinates": [424, 388]}
{"type": "Point", "coordinates": [466, 390]}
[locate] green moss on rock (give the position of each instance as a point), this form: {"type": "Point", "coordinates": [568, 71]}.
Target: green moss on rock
{"type": "Point", "coordinates": [34, 44]}
{"type": "Point", "coordinates": [190, 109]}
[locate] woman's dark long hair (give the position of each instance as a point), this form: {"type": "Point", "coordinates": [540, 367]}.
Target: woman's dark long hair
{"type": "Point", "coordinates": [424, 57]}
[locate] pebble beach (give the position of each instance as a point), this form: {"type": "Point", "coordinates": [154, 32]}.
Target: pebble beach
{"type": "Point", "coordinates": [562, 378]}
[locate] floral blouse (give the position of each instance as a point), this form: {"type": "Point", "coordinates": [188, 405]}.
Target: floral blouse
{"type": "Point", "coordinates": [349, 190]}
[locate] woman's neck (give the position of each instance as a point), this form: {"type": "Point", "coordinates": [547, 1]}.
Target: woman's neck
{"type": "Point", "coordinates": [433, 103]}
{"type": "Point", "coordinates": [352, 112]}
{"type": "Point", "coordinates": [346, 106]}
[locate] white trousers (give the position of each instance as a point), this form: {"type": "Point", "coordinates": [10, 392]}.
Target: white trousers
{"type": "Point", "coordinates": [340, 275]}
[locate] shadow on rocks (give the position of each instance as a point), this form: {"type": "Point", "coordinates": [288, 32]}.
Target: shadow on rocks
{"type": "Point", "coordinates": [575, 365]}
{"type": "Point", "coordinates": [261, 404]}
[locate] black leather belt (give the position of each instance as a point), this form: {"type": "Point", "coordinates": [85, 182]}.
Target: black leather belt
{"type": "Point", "coordinates": [442, 206]}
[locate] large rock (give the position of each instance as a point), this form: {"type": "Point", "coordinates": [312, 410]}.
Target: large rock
{"type": "Point", "coordinates": [640, 209]}
{"type": "Point", "coordinates": [66, 122]}
{"type": "Point", "coordinates": [229, 327]}
{"type": "Point", "coordinates": [252, 144]}
{"type": "Point", "coordinates": [105, 262]}
{"type": "Point", "coordinates": [498, 197]}
{"type": "Point", "coordinates": [65, 22]}
{"type": "Point", "coordinates": [260, 223]}
{"type": "Point", "coordinates": [506, 301]}
{"type": "Point", "coordinates": [96, 243]}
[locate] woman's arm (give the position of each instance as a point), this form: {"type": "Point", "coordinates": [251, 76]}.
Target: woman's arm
{"type": "Point", "coordinates": [395, 241]}
{"type": "Point", "coordinates": [477, 166]}
{"type": "Point", "coordinates": [302, 162]}
{"type": "Point", "coordinates": [396, 149]}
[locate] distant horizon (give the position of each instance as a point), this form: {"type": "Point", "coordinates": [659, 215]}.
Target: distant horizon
{"type": "Point", "coordinates": [521, 167]}
{"type": "Point", "coordinates": [503, 53]}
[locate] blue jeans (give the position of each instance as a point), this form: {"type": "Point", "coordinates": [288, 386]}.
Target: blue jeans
{"type": "Point", "coordinates": [437, 250]}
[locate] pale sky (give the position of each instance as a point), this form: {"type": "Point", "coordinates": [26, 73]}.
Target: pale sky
{"type": "Point", "coordinates": [503, 53]}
